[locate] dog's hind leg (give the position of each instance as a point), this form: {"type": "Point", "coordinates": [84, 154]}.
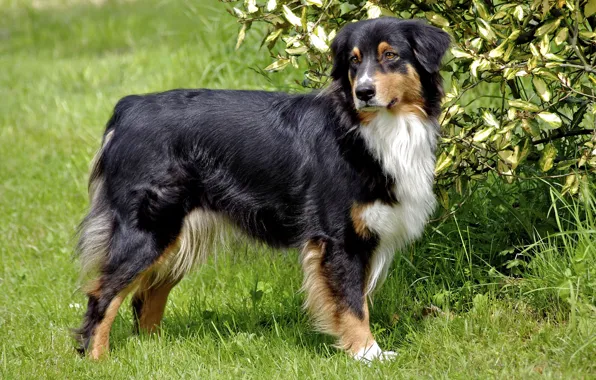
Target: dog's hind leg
{"type": "Point", "coordinates": [334, 286]}
{"type": "Point", "coordinates": [131, 252]}
{"type": "Point", "coordinates": [198, 237]}
{"type": "Point", "coordinates": [149, 302]}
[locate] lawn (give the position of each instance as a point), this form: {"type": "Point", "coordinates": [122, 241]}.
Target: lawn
{"type": "Point", "coordinates": [456, 305]}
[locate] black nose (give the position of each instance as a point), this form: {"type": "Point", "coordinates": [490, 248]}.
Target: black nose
{"type": "Point", "coordinates": [365, 92]}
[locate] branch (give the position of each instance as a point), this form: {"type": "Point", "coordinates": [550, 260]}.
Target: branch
{"type": "Point", "coordinates": [576, 48]}
{"type": "Point", "coordinates": [514, 90]}
{"type": "Point", "coordinates": [587, 68]}
{"type": "Point", "coordinates": [578, 92]}
{"type": "Point", "coordinates": [563, 135]}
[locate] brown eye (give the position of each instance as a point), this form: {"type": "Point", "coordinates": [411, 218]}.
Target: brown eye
{"type": "Point", "coordinates": [354, 60]}
{"type": "Point", "coordinates": [390, 55]}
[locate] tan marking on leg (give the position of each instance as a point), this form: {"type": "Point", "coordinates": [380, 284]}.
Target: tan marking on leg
{"type": "Point", "coordinates": [354, 333]}
{"type": "Point", "coordinates": [154, 307]}
{"type": "Point", "coordinates": [155, 285]}
{"type": "Point", "coordinates": [161, 270]}
{"type": "Point", "coordinates": [359, 225]}
{"type": "Point", "coordinates": [154, 298]}
{"type": "Point", "coordinates": [319, 300]}
{"type": "Point", "coordinates": [100, 342]}
{"type": "Point", "coordinates": [93, 287]}
{"type": "Point", "coordinates": [329, 315]}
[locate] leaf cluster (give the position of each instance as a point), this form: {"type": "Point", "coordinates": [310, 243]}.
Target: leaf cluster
{"type": "Point", "coordinates": [521, 79]}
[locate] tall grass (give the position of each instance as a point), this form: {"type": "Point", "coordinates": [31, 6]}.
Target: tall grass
{"type": "Point", "coordinates": [560, 268]}
{"type": "Point", "coordinates": [551, 272]}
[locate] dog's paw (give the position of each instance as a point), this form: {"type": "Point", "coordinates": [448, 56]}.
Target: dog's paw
{"type": "Point", "coordinates": [374, 352]}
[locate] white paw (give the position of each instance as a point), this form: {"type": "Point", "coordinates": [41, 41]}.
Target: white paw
{"type": "Point", "coordinates": [374, 352]}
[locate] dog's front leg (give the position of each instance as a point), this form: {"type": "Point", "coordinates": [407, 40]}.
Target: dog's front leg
{"type": "Point", "coordinates": [334, 286]}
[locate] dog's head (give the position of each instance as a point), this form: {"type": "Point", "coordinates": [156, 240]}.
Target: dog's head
{"type": "Point", "coordinates": [390, 64]}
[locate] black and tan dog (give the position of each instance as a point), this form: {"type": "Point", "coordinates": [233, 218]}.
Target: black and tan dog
{"type": "Point", "coordinates": [345, 174]}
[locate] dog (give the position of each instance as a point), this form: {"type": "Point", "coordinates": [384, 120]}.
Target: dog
{"type": "Point", "coordinates": [346, 174]}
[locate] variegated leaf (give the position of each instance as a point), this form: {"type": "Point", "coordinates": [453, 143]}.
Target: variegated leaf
{"type": "Point", "coordinates": [483, 134]}
{"type": "Point", "coordinates": [549, 27]}
{"type": "Point", "coordinates": [541, 89]}
{"type": "Point", "coordinates": [561, 36]}
{"type": "Point", "coordinates": [318, 43]}
{"type": "Point", "coordinates": [547, 159]}
{"type": "Point", "coordinates": [318, 3]}
{"type": "Point", "coordinates": [278, 65]}
{"type": "Point", "coordinates": [290, 16]}
{"type": "Point", "coordinates": [551, 119]}
{"type": "Point", "coordinates": [251, 6]}
{"type": "Point", "coordinates": [437, 19]}
{"type": "Point", "coordinates": [523, 105]}
{"type": "Point", "coordinates": [519, 12]}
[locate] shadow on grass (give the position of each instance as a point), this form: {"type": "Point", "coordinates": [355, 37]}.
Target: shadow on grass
{"type": "Point", "coordinates": [226, 328]}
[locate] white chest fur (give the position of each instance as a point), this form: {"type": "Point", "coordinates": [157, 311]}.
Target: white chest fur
{"type": "Point", "coordinates": [404, 146]}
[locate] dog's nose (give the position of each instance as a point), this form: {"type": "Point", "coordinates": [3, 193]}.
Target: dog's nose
{"type": "Point", "coordinates": [365, 92]}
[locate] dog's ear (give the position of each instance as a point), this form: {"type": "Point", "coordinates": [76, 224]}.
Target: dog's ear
{"type": "Point", "coordinates": [339, 48]}
{"type": "Point", "coordinates": [429, 44]}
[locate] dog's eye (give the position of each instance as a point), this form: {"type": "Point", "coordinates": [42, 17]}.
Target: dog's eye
{"type": "Point", "coordinates": [354, 60]}
{"type": "Point", "coordinates": [389, 55]}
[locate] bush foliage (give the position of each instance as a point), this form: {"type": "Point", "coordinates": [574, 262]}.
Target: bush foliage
{"type": "Point", "coordinates": [520, 79]}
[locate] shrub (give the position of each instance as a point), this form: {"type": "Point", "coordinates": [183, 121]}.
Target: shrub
{"type": "Point", "coordinates": [520, 80]}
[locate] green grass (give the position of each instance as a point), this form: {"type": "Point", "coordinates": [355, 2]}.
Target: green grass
{"type": "Point", "coordinates": [507, 313]}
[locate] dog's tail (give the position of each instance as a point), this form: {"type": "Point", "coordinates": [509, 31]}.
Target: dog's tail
{"type": "Point", "coordinates": [96, 229]}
